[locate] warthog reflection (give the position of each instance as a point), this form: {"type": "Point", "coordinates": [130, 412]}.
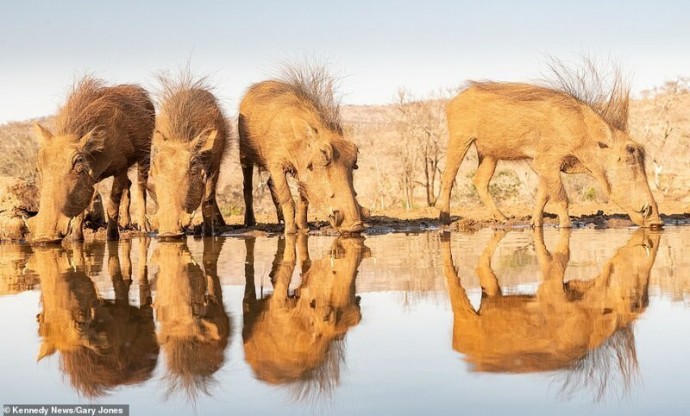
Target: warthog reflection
{"type": "Point", "coordinates": [581, 326]}
{"type": "Point", "coordinates": [194, 326]}
{"type": "Point", "coordinates": [297, 339]}
{"type": "Point", "coordinates": [102, 343]}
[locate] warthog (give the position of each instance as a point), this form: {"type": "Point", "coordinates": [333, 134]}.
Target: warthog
{"type": "Point", "coordinates": [194, 328]}
{"type": "Point", "coordinates": [298, 338]}
{"type": "Point", "coordinates": [563, 324]}
{"type": "Point", "coordinates": [562, 129]}
{"type": "Point", "coordinates": [103, 343]}
{"type": "Point", "coordinates": [99, 132]}
{"type": "Point", "coordinates": [292, 126]}
{"type": "Point", "coordinates": [188, 147]}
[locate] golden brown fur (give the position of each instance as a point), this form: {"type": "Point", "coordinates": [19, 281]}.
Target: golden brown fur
{"type": "Point", "coordinates": [297, 339]}
{"type": "Point", "coordinates": [100, 132]}
{"type": "Point", "coordinates": [190, 142]}
{"type": "Point", "coordinates": [564, 326]}
{"type": "Point", "coordinates": [565, 127]}
{"type": "Point", "coordinates": [292, 126]}
{"type": "Point", "coordinates": [103, 343]}
{"type": "Point", "coordinates": [92, 104]}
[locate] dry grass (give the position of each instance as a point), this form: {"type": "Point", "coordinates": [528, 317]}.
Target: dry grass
{"type": "Point", "coordinates": [18, 150]}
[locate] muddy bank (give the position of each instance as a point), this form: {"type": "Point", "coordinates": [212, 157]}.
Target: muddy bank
{"type": "Point", "coordinates": [379, 225]}
{"type": "Point", "coordinates": [17, 203]}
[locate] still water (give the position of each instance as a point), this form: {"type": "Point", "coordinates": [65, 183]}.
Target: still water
{"type": "Point", "coordinates": [518, 322]}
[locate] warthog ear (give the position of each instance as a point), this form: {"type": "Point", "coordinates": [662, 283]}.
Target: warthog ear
{"type": "Point", "coordinates": [204, 142]}
{"type": "Point", "coordinates": [93, 141]}
{"type": "Point", "coordinates": [42, 132]}
{"type": "Point", "coordinates": [211, 329]}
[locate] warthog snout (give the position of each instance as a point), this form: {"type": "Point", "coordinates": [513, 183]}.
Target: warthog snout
{"type": "Point", "coordinates": [650, 216]}
{"type": "Point", "coordinates": [47, 230]}
{"type": "Point", "coordinates": [170, 235]}
{"type": "Point", "coordinates": [335, 217]}
{"type": "Point", "coordinates": [171, 231]}
{"type": "Point", "coordinates": [47, 239]}
{"type": "Point", "coordinates": [356, 227]}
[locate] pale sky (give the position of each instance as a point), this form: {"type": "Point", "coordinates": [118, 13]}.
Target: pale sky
{"type": "Point", "coordinates": [378, 46]}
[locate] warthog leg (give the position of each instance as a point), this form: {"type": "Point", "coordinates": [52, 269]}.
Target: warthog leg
{"type": "Point", "coordinates": [113, 206]}
{"type": "Point", "coordinates": [550, 189]}
{"type": "Point", "coordinates": [212, 248]}
{"type": "Point", "coordinates": [249, 299]}
{"type": "Point", "coordinates": [276, 202]}
{"type": "Point", "coordinates": [462, 307]}
{"type": "Point", "coordinates": [125, 220]}
{"type": "Point", "coordinates": [485, 171]}
{"type": "Point", "coordinates": [552, 265]}
{"type": "Point", "coordinates": [302, 208]}
{"type": "Point", "coordinates": [284, 197]}
{"type": "Point", "coordinates": [121, 280]}
{"type": "Point", "coordinates": [303, 252]}
{"type": "Point", "coordinates": [247, 190]}
{"type": "Point", "coordinates": [142, 273]}
{"type": "Point", "coordinates": [209, 207]}
{"type": "Point", "coordinates": [487, 277]}
{"type": "Point", "coordinates": [140, 197]}
{"type": "Point", "coordinates": [457, 148]}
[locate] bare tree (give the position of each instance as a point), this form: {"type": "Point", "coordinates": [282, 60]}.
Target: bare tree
{"type": "Point", "coordinates": [659, 126]}
{"type": "Point", "coordinates": [423, 130]}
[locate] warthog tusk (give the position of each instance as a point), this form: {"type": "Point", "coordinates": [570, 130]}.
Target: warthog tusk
{"type": "Point", "coordinates": [646, 249]}
{"type": "Point", "coordinates": [644, 208]}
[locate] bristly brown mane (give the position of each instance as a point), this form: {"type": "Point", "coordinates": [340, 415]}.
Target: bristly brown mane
{"type": "Point", "coordinates": [312, 83]}
{"type": "Point", "coordinates": [91, 104]}
{"type": "Point", "coordinates": [608, 94]}
{"type": "Point", "coordinates": [187, 107]}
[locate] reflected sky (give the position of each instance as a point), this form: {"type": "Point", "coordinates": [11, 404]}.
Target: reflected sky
{"type": "Point", "coordinates": [316, 325]}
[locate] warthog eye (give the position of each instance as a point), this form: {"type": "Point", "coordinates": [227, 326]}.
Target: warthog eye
{"type": "Point", "coordinates": [634, 154]}
{"type": "Point", "coordinates": [79, 164]}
